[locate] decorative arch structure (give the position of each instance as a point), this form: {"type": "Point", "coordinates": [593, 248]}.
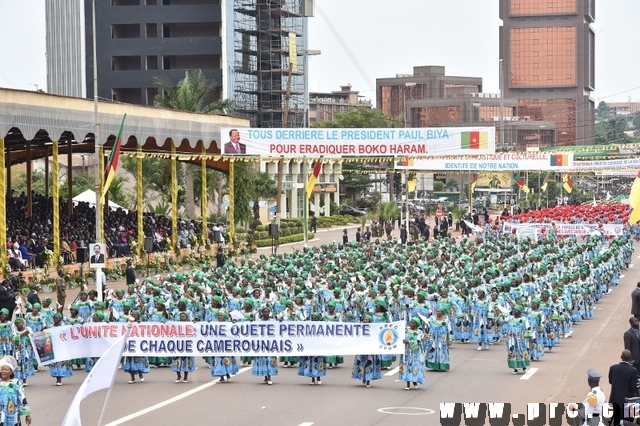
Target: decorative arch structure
{"type": "Point", "coordinates": [37, 125]}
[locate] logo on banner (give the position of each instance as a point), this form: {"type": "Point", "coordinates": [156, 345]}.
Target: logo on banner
{"type": "Point", "coordinates": [559, 160]}
{"type": "Point", "coordinates": [388, 337]}
{"type": "Point", "coordinates": [405, 162]}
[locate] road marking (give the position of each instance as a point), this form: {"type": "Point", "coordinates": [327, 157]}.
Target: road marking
{"type": "Point", "coordinates": [169, 401]}
{"type": "Point", "coordinates": [306, 424]}
{"type": "Point", "coordinates": [530, 372]}
{"type": "Point", "coordinates": [419, 411]}
{"type": "Point", "coordinates": [622, 276]}
{"type": "Point", "coordinates": [392, 372]}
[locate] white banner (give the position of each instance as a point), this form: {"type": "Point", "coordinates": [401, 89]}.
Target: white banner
{"type": "Point", "coordinates": [509, 161]}
{"type": "Point", "coordinates": [259, 338]}
{"type": "Point", "coordinates": [568, 228]}
{"type": "Point", "coordinates": [624, 163]}
{"type": "Point", "coordinates": [358, 142]}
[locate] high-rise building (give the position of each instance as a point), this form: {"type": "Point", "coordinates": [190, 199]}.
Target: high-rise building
{"type": "Point", "coordinates": [547, 53]}
{"type": "Point", "coordinates": [426, 82]}
{"type": "Point", "coordinates": [136, 41]}
{"type": "Point", "coordinates": [244, 46]}
{"type": "Point", "coordinates": [323, 106]}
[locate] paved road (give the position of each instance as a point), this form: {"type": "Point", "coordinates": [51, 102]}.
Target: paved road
{"type": "Point", "coordinates": [476, 376]}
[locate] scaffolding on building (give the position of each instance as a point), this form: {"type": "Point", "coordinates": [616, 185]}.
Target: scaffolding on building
{"type": "Point", "coordinates": [268, 90]}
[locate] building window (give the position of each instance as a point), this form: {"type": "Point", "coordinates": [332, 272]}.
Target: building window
{"type": "Point", "coordinates": [152, 62]}
{"type": "Point", "coordinates": [151, 30]}
{"type": "Point", "coordinates": [166, 62]}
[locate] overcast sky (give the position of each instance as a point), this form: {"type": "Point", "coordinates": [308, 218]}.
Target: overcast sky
{"type": "Point", "coordinates": [362, 40]}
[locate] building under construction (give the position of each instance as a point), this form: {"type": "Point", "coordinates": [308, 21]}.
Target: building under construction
{"type": "Point", "coordinates": [269, 61]}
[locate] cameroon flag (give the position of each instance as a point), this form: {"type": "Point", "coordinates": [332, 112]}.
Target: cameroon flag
{"type": "Point", "coordinates": [520, 182]}
{"type": "Point", "coordinates": [313, 178]}
{"type": "Point", "coordinates": [474, 140]}
{"type": "Point", "coordinates": [112, 162]}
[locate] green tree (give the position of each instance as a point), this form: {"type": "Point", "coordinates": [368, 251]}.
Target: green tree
{"type": "Point", "coordinates": [81, 182]}
{"type": "Point", "coordinates": [117, 192]}
{"type": "Point", "coordinates": [156, 182]}
{"type": "Point", "coordinates": [615, 130]}
{"type": "Point", "coordinates": [263, 188]}
{"type": "Point", "coordinates": [243, 192]}
{"type": "Point", "coordinates": [356, 175]}
{"type": "Point", "coordinates": [452, 185]}
{"type": "Point", "coordinates": [603, 111]}
{"type": "Point", "coordinates": [194, 93]}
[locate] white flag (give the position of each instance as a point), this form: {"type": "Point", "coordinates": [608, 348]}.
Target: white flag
{"type": "Point", "coordinates": [100, 377]}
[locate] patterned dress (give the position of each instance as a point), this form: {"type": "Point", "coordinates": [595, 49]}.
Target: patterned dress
{"type": "Point", "coordinates": [60, 368]}
{"type": "Point", "coordinates": [23, 353]}
{"type": "Point", "coordinates": [7, 332]}
{"type": "Point", "coordinates": [518, 351]}
{"type": "Point", "coordinates": [265, 366]}
{"type": "Point", "coordinates": [436, 346]}
{"type": "Point", "coordinates": [13, 403]}
{"type": "Point", "coordinates": [412, 362]}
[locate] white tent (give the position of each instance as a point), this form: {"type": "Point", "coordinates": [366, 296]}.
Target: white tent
{"type": "Point", "coordinates": [89, 196]}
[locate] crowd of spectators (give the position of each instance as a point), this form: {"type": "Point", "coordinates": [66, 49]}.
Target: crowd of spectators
{"type": "Point", "coordinates": [28, 237]}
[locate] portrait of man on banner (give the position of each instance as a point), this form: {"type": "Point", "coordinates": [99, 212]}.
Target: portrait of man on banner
{"type": "Point", "coordinates": [234, 146]}
{"type": "Point", "coordinates": [98, 257]}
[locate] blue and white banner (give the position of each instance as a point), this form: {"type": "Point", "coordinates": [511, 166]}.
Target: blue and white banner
{"type": "Point", "coordinates": [259, 338]}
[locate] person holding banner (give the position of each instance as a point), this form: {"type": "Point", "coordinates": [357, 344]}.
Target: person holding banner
{"type": "Point", "coordinates": [183, 364]}
{"type": "Point", "coordinates": [135, 364]}
{"type": "Point", "coordinates": [98, 316]}
{"type": "Point", "coordinates": [266, 366]}
{"type": "Point", "coordinates": [223, 366]}
{"type": "Point", "coordinates": [62, 368]}
{"type": "Point", "coordinates": [412, 362]}
{"type": "Point", "coordinates": [313, 366]}
{"type": "Point", "coordinates": [13, 402]}
{"type": "Point", "coordinates": [366, 367]}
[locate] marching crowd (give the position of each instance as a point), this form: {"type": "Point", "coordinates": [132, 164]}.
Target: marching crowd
{"type": "Point", "coordinates": [522, 293]}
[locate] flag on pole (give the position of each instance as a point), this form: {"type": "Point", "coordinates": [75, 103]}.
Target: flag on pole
{"type": "Point", "coordinates": [567, 183]}
{"type": "Point", "coordinates": [100, 377]}
{"type": "Point", "coordinates": [474, 182]}
{"type": "Point", "coordinates": [314, 177]}
{"type": "Point", "coordinates": [112, 162]}
{"type": "Point", "coordinates": [412, 182]}
{"type": "Point", "coordinates": [547, 179]}
{"type": "Point", "coordinates": [520, 182]}
{"type": "Point", "coordinates": [634, 200]}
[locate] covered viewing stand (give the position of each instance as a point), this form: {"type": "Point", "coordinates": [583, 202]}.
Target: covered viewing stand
{"type": "Point", "coordinates": [36, 125]}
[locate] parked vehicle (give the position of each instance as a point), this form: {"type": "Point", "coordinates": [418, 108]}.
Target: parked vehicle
{"type": "Point", "coordinates": [351, 211]}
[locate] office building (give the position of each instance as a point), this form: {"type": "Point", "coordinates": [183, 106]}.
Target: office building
{"type": "Point", "coordinates": [254, 51]}
{"type": "Point", "coordinates": [547, 53]}
{"type": "Point", "coordinates": [323, 106]}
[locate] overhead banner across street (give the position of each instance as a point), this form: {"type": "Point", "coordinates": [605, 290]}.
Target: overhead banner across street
{"type": "Point", "coordinates": [260, 338]}
{"type": "Point", "coordinates": [578, 229]}
{"type": "Point", "coordinates": [509, 161]}
{"type": "Point", "coordinates": [358, 142]}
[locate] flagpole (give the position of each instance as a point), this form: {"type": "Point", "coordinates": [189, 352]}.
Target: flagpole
{"type": "Point", "coordinates": [305, 215]}
{"type": "Point", "coordinates": [470, 193]}
{"type": "Point", "coordinates": [96, 143]}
